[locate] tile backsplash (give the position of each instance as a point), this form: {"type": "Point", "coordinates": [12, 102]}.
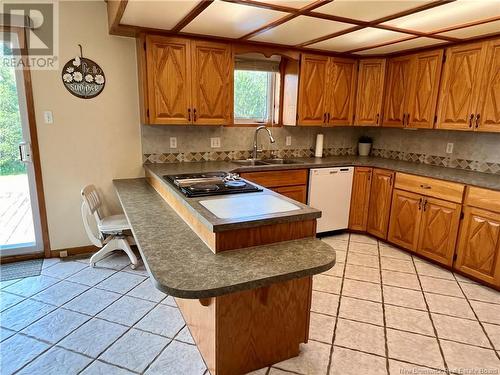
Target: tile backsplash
{"type": "Point", "coordinates": [473, 151]}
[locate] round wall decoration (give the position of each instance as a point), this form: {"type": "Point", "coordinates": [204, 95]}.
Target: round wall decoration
{"type": "Point", "coordinates": [83, 77]}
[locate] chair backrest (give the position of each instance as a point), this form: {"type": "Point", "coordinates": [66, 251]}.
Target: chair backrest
{"type": "Point", "coordinates": [91, 206]}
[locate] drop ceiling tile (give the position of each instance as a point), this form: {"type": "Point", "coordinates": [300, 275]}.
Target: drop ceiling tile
{"type": "Point", "coordinates": [472, 31]}
{"type": "Point", "coordinates": [368, 10]}
{"type": "Point", "coordinates": [448, 15]}
{"type": "Point", "coordinates": [358, 39]}
{"type": "Point", "coordinates": [297, 4]}
{"type": "Point", "coordinates": [300, 29]}
{"type": "Point", "coordinates": [401, 46]}
{"type": "Point", "coordinates": [231, 20]}
{"type": "Point", "coordinates": [156, 14]}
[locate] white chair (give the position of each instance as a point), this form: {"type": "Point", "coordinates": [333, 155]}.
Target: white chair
{"type": "Point", "coordinates": [110, 229]}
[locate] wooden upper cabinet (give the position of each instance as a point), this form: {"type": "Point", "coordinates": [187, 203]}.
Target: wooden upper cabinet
{"type": "Point", "coordinates": [438, 230]}
{"type": "Point", "coordinates": [397, 91]}
{"type": "Point", "coordinates": [341, 91]}
{"type": "Point", "coordinates": [313, 90]}
{"type": "Point", "coordinates": [488, 112]}
{"type": "Point", "coordinates": [360, 198]}
{"type": "Point", "coordinates": [370, 92]}
{"type": "Point", "coordinates": [212, 66]}
{"type": "Point", "coordinates": [460, 86]}
{"type": "Point", "coordinates": [479, 245]}
{"type": "Point", "coordinates": [380, 206]}
{"type": "Point", "coordinates": [168, 64]}
{"type": "Point", "coordinates": [422, 101]}
{"type": "Point", "coordinates": [405, 220]}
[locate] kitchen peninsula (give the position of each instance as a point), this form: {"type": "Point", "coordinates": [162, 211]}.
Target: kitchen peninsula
{"type": "Point", "coordinates": [248, 307]}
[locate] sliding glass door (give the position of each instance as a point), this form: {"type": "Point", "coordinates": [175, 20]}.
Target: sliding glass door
{"type": "Point", "coordinates": [20, 228]}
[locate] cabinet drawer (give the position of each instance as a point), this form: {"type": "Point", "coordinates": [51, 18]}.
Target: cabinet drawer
{"type": "Point", "coordinates": [483, 198]}
{"type": "Point", "coordinates": [277, 178]}
{"type": "Point", "coordinates": [431, 187]}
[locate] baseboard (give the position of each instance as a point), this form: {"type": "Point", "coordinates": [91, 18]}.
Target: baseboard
{"type": "Point", "coordinates": [74, 251]}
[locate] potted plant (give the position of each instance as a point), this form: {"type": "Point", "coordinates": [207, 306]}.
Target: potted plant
{"type": "Point", "coordinates": [364, 145]}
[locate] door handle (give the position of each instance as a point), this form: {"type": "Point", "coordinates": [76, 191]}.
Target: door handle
{"type": "Point", "coordinates": [477, 120]}
{"type": "Point", "coordinates": [470, 120]}
{"type": "Point", "coordinates": [25, 152]}
{"type": "Point", "coordinates": [194, 114]}
{"type": "Point", "coordinates": [21, 153]}
{"type": "Point", "coordinates": [189, 114]}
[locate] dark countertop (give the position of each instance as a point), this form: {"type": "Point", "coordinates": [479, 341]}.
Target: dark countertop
{"type": "Point", "coordinates": [484, 180]}
{"type": "Point", "coordinates": [214, 223]}
{"type": "Point", "coordinates": [181, 265]}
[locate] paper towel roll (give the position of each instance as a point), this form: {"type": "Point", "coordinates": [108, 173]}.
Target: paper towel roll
{"type": "Point", "coordinates": [319, 146]}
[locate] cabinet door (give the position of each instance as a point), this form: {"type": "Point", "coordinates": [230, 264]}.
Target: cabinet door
{"type": "Point", "coordinates": [369, 93]}
{"type": "Point", "coordinates": [380, 206]}
{"type": "Point", "coordinates": [404, 224]}
{"type": "Point", "coordinates": [212, 83]}
{"type": "Point", "coordinates": [438, 230]}
{"type": "Point", "coordinates": [489, 107]}
{"type": "Point", "coordinates": [426, 73]}
{"type": "Point", "coordinates": [313, 90]}
{"type": "Point", "coordinates": [298, 193]}
{"type": "Point", "coordinates": [341, 90]}
{"type": "Point", "coordinates": [479, 245]}
{"type": "Point", "coordinates": [169, 80]}
{"type": "Point", "coordinates": [360, 198]}
{"type": "Point", "coordinates": [397, 90]}
{"type": "Point", "coordinates": [460, 86]}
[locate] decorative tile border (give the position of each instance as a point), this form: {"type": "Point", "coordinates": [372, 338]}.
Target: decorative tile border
{"type": "Point", "coordinates": [441, 161]}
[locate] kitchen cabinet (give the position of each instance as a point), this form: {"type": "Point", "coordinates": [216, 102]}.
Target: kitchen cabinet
{"type": "Point", "coordinates": [460, 90]}
{"type": "Point", "coordinates": [478, 252]}
{"type": "Point", "coordinates": [360, 198]}
{"type": "Point", "coordinates": [425, 216]}
{"type": "Point", "coordinates": [370, 91]}
{"type": "Point", "coordinates": [488, 115]}
{"type": "Point", "coordinates": [412, 89]}
{"type": "Point", "coordinates": [379, 208]}
{"type": "Point", "coordinates": [397, 91]}
{"type": "Point", "coordinates": [290, 183]}
{"type": "Point", "coordinates": [405, 217]}
{"type": "Point", "coordinates": [326, 90]}
{"type": "Point", "coordinates": [185, 82]}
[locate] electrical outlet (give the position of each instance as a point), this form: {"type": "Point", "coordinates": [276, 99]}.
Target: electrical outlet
{"type": "Point", "coordinates": [215, 142]}
{"type": "Point", "coordinates": [63, 254]}
{"type": "Point", "coordinates": [449, 148]}
{"type": "Point", "coordinates": [173, 142]}
{"type": "Point", "coordinates": [47, 117]}
{"type": "Point", "coordinates": [288, 140]}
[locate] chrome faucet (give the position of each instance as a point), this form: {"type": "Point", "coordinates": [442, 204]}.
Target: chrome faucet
{"type": "Point", "coordinates": [255, 150]}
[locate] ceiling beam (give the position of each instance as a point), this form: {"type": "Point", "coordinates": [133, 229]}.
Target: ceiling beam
{"type": "Point", "coordinates": [204, 4]}
{"type": "Point", "coordinates": [382, 44]}
{"type": "Point", "coordinates": [284, 19]}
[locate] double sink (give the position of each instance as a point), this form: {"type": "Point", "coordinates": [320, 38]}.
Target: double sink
{"type": "Point", "coordinates": [252, 162]}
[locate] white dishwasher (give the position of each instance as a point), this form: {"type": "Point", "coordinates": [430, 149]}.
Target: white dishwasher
{"type": "Point", "coordinates": [330, 191]}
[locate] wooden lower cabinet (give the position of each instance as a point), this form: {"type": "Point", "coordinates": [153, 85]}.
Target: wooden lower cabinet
{"type": "Point", "coordinates": [406, 213]}
{"type": "Point", "coordinates": [298, 193]}
{"type": "Point", "coordinates": [438, 230]}
{"type": "Point", "coordinates": [360, 198]}
{"type": "Point", "coordinates": [380, 202]}
{"type": "Point", "coordinates": [479, 245]}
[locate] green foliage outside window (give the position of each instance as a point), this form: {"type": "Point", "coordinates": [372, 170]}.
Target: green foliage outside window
{"type": "Point", "coordinates": [10, 121]}
{"type": "Point", "coordinates": [251, 95]}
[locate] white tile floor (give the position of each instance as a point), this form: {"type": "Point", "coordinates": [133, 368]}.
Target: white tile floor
{"type": "Point", "coordinates": [384, 311]}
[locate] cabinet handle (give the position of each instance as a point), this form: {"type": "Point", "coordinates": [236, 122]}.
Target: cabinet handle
{"type": "Point", "coordinates": [378, 117]}
{"type": "Point", "coordinates": [420, 204]}
{"type": "Point", "coordinates": [194, 114]}
{"type": "Point", "coordinates": [390, 180]}
{"type": "Point", "coordinates": [423, 186]}
{"type": "Point", "coordinates": [425, 204]}
{"type": "Point", "coordinates": [324, 118]}
{"type": "Point", "coordinates": [189, 114]}
{"type": "Point", "coordinates": [407, 119]}
{"type": "Point", "coordinates": [328, 118]}
{"type": "Point", "coordinates": [477, 120]}
{"type": "Point", "coordinates": [470, 120]}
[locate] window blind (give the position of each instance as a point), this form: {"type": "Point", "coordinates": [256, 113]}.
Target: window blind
{"type": "Point", "coordinates": [257, 65]}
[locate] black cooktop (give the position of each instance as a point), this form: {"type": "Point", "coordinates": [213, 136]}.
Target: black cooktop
{"type": "Point", "coordinates": [211, 183]}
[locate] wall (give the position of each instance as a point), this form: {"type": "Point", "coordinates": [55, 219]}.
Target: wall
{"type": "Point", "coordinates": [90, 141]}
{"type": "Point", "coordinates": [476, 151]}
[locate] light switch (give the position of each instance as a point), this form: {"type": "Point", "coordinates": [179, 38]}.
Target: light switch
{"type": "Point", "coordinates": [173, 142]}
{"type": "Point", "coordinates": [47, 117]}
{"type": "Point", "coordinates": [449, 148]}
{"type": "Point", "coordinates": [288, 140]}
{"type": "Point", "coordinates": [215, 142]}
